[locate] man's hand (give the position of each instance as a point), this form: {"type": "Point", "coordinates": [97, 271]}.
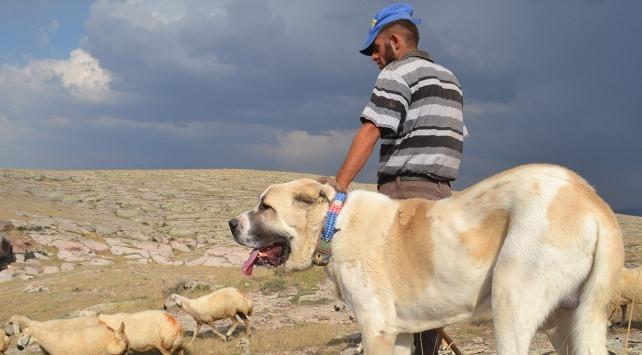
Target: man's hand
{"type": "Point", "coordinates": [327, 180]}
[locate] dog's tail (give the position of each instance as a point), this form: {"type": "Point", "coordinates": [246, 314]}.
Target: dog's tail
{"type": "Point", "coordinates": [590, 317]}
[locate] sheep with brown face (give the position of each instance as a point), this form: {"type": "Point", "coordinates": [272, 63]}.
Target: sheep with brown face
{"type": "Point", "coordinates": [221, 304]}
{"type": "Point", "coordinates": [92, 340]}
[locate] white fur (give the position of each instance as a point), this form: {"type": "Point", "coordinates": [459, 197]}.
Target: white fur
{"type": "Point", "coordinates": [221, 304]}
{"type": "Point", "coordinates": [148, 330]}
{"type": "Point", "coordinates": [522, 286]}
{"type": "Point", "coordinates": [91, 340]}
{"type": "Point", "coordinates": [18, 323]}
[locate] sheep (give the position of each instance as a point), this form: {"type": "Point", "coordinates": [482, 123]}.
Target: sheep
{"type": "Point", "coordinates": [224, 303]}
{"type": "Point", "coordinates": [4, 341]}
{"type": "Point", "coordinates": [96, 339]}
{"type": "Point", "coordinates": [18, 323]}
{"type": "Point", "coordinates": [628, 290]}
{"type": "Point", "coordinates": [147, 330]}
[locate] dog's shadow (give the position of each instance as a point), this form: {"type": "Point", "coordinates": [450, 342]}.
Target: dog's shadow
{"type": "Point", "coordinates": [634, 324]}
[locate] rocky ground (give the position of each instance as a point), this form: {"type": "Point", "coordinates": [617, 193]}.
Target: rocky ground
{"type": "Point", "coordinates": [56, 226]}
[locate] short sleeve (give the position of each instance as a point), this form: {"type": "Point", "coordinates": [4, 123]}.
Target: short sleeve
{"type": "Point", "coordinates": [388, 104]}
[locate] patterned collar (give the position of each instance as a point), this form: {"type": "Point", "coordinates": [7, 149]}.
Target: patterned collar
{"type": "Point", "coordinates": [323, 251]}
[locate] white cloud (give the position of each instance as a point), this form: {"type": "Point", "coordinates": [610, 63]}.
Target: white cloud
{"type": "Point", "coordinates": [80, 76]}
{"type": "Point", "coordinates": [302, 149]}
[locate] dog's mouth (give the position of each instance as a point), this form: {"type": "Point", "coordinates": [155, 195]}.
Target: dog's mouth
{"type": "Point", "coordinates": [272, 255]}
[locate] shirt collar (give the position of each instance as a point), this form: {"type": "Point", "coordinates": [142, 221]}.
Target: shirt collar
{"type": "Point", "coordinates": [418, 53]}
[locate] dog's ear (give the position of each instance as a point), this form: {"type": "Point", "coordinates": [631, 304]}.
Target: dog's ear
{"type": "Point", "coordinates": [312, 191]}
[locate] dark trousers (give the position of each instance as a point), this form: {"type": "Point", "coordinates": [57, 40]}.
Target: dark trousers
{"type": "Point", "coordinates": [426, 342]}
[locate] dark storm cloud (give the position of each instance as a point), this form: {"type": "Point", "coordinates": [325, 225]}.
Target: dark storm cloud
{"type": "Point", "coordinates": [247, 83]}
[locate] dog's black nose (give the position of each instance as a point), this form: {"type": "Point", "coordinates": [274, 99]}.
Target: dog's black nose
{"type": "Point", "coordinates": [233, 224]}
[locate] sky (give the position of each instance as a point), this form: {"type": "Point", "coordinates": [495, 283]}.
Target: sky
{"type": "Point", "coordinates": [280, 85]}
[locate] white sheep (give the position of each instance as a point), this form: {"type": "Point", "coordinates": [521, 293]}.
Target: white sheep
{"type": "Point", "coordinates": [221, 304]}
{"type": "Point", "coordinates": [4, 341]}
{"type": "Point", "coordinates": [628, 289]}
{"type": "Point", "coordinates": [149, 330]}
{"type": "Point", "coordinates": [18, 323]}
{"type": "Point", "coordinates": [92, 340]}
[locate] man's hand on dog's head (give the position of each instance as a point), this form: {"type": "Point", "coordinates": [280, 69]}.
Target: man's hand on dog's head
{"type": "Point", "coordinates": [327, 180]}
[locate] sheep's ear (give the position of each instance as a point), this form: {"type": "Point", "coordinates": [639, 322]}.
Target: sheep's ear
{"type": "Point", "coordinates": [8, 328]}
{"type": "Point", "coordinates": [24, 340]}
{"type": "Point", "coordinates": [176, 299]}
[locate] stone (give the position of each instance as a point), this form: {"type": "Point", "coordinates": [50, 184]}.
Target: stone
{"type": "Point", "coordinates": [98, 262]}
{"type": "Point", "coordinates": [120, 250]}
{"type": "Point", "coordinates": [5, 226]}
{"type": "Point", "coordinates": [73, 251]}
{"type": "Point", "coordinates": [30, 270]}
{"type": "Point", "coordinates": [7, 275]}
{"type": "Point", "coordinates": [159, 259]}
{"type": "Point", "coordinates": [176, 245]}
{"type": "Point", "coordinates": [67, 267]}
{"type": "Point", "coordinates": [94, 245]}
{"type": "Point", "coordinates": [127, 213]}
{"type": "Point", "coordinates": [179, 232]}
{"type": "Point", "coordinates": [30, 289]}
{"type": "Point", "coordinates": [50, 270]}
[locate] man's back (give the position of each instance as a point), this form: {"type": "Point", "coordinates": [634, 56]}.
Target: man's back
{"type": "Point", "coordinates": [418, 106]}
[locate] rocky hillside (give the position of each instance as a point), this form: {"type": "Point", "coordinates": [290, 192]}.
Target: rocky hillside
{"type": "Point", "coordinates": [119, 240]}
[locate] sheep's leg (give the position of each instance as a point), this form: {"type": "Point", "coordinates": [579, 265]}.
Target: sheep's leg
{"type": "Point", "coordinates": [198, 327]}
{"type": "Point", "coordinates": [235, 322]}
{"type": "Point", "coordinates": [623, 308]}
{"type": "Point", "coordinates": [217, 332]}
{"type": "Point", "coordinates": [246, 321]}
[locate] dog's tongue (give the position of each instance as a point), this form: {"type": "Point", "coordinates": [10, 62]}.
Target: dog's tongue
{"type": "Point", "coordinates": [248, 265]}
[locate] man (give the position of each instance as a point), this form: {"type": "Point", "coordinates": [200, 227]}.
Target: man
{"type": "Point", "coordinates": [416, 110]}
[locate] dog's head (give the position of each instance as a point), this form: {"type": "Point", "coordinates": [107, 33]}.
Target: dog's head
{"type": "Point", "coordinates": [284, 228]}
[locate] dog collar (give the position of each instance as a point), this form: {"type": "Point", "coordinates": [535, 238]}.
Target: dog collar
{"type": "Point", "coordinates": [323, 250]}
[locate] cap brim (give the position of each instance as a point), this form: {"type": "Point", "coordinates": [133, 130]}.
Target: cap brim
{"type": "Point", "coordinates": [366, 49]}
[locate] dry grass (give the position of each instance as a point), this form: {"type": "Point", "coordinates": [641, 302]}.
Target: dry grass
{"type": "Point", "coordinates": [314, 338]}
{"type": "Point", "coordinates": [130, 288]}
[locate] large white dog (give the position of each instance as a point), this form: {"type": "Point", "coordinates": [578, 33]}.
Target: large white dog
{"type": "Point", "coordinates": [517, 244]}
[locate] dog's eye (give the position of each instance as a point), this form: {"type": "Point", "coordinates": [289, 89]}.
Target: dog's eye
{"type": "Point", "coordinates": [263, 206]}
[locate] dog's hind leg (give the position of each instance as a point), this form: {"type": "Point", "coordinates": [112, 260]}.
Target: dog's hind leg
{"type": "Point", "coordinates": [403, 344]}
{"type": "Point", "coordinates": [560, 332]}
{"type": "Point", "coordinates": [522, 296]}
{"type": "Point", "coordinates": [589, 319]}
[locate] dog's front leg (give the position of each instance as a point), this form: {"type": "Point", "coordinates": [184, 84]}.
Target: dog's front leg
{"type": "Point", "coordinates": [378, 342]}
{"type": "Point", "coordinates": [370, 301]}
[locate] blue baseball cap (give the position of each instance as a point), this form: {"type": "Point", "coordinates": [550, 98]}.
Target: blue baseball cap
{"type": "Point", "coordinates": [388, 14]}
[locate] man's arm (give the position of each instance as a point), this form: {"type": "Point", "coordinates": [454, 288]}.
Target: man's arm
{"type": "Point", "coordinates": [360, 150]}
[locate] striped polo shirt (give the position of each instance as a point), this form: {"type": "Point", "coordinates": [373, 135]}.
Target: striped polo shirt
{"type": "Point", "coordinates": [417, 106]}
